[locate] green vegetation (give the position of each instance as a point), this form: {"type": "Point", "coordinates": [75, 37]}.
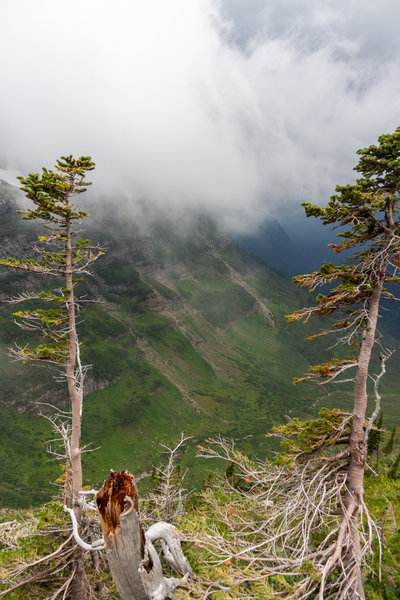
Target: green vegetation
{"type": "Point", "coordinates": [221, 513]}
{"type": "Point", "coordinates": [188, 334]}
{"type": "Point", "coordinates": [28, 537]}
{"type": "Point", "coordinates": [367, 214]}
{"type": "Point", "coordinates": [165, 357]}
{"type": "Point", "coordinates": [232, 527]}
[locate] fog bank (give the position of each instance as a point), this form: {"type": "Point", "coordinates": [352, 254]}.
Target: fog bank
{"type": "Point", "coordinates": [243, 108]}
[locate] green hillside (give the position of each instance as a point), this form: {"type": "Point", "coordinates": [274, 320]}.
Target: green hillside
{"type": "Point", "coordinates": [187, 333]}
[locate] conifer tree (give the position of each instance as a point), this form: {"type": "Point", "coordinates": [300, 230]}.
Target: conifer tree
{"type": "Point", "coordinates": [368, 214]}
{"type": "Point", "coordinates": [392, 474]}
{"type": "Point", "coordinates": [61, 256]}
{"type": "Point", "coordinates": [375, 437]}
{"type": "Point", "coordinates": [388, 448]}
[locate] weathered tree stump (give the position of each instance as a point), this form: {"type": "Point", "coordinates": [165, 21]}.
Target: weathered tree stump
{"type": "Point", "coordinates": [134, 563]}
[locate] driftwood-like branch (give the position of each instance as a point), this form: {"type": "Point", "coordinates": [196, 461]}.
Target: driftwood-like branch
{"type": "Point", "coordinates": [171, 547]}
{"type": "Point", "coordinates": [134, 562]}
{"type": "Point", "coordinates": [383, 359]}
{"type": "Point", "coordinates": [97, 545]}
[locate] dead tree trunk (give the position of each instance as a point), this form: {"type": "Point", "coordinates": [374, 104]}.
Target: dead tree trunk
{"type": "Point", "coordinates": [134, 562]}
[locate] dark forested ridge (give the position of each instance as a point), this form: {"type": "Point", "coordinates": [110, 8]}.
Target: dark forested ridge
{"type": "Point", "coordinates": [187, 334]}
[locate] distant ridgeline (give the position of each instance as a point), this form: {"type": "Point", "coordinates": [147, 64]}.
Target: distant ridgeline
{"type": "Point", "coordinates": [187, 334]}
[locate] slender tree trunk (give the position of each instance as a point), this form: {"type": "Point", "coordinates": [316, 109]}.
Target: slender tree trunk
{"type": "Point", "coordinates": [78, 584]}
{"type": "Point", "coordinates": [358, 448]}
{"type": "Point", "coordinates": [74, 393]}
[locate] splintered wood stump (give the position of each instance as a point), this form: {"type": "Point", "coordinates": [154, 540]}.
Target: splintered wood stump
{"type": "Point", "coordinates": [123, 534]}
{"type": "Point", "coordinates": [134, 563]}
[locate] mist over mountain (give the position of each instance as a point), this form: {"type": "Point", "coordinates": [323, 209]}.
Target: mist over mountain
{"type": "Point", "coordinates": [289, 251]}
{"type": "Point", "coordinates": [241, 109]}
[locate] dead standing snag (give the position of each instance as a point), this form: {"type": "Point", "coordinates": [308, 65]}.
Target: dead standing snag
{"type": "Point", "coordinates": [134, 563]}
{"type": "Point", "coordinates": [111, 501]}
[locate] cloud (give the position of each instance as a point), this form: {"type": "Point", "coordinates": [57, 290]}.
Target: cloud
{"type": "Point", "coordinates": [244, 108]}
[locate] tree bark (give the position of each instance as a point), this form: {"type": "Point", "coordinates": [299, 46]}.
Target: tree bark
{"type": "Point", "coordinates": [73, 391]}
{"type": "Point", "coordinates": [79, 591]}
{"type": "Point", "coordinates": [358, 450]}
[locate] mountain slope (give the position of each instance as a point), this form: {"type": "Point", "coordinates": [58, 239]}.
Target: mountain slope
{"type": "Point", "coordinates": [187, 333]}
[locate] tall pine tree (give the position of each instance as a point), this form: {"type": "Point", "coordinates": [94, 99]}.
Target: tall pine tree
{"type": "Point", "coordinates": [60, 254]}
{"type": "Point", "coordinates": [367, 213]}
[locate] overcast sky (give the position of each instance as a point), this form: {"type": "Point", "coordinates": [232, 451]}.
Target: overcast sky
{"type": "Point", "coordinates": [246, 107]}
